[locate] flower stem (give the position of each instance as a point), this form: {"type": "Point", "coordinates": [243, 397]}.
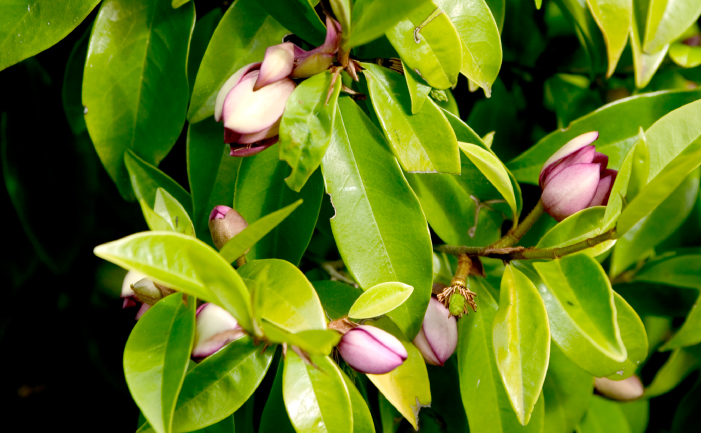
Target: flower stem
{"type": "Point", "coordinates": [515, 235]}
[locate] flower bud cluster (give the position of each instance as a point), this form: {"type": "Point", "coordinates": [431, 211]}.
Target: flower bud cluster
{"type": "Point", "coordinates": [251, 102]}
{"type": "Point", "coordinates": [576, 178]}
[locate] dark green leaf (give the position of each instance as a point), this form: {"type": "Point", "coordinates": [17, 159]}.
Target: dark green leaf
{"type": "Point", "coordinates": [241, 37]}
{"type": "Point", "coordinates": [299, 17]}
{"type": "Point", "coordinates": [677, 367]}
{"type": "Point", "coordinates": [156, 358]}
{"type": "Point", "coordinates": [567, 391]}
{"type": "Point", "coordinates": [261, 190]}
{"type": "Point", "coordinates": [130, 71]}
{"type": "Point", "coordinates": [686, 415]}
{"type": "Point", "coordinates": [604, 416]}
{"type": "Point", "coordinates": [27, 29]}
{"type": "Point", "coordinates": [336, 297]}
{"type": "Point", "coordinates": [377, 215]}
{"type": "Point", "coordinates": [274, 418]}
{"type": "Point", "coordinates": [204, 29]}
{"type": "Point", "coordinates": [306, 126]}
{"type": "Point", "coordinates": [72, 89]}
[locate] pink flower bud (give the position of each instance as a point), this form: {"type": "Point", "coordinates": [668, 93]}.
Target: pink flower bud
{"type": "Point", "coordinates": [438, 336]}
{"type": "Point", "coordinates": [224, 224]}
{"type": "Point", "coordinates": [620, 390]}
{"type": "Point", "coordinates": [277, 64]}
{"type": "Point", "coordinates": [216, 327]}
{"type": "Point", "coordinates": [575, 178]}
{"type": "Point", "coordinates": [371, 350]}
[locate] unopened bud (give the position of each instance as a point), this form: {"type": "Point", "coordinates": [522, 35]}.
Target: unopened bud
{"type": "Point", "coordinates": [621, 390]}
{"type": "Point", "coordinates": [224, 224]}
{"type": "Point", "coordinates": [438, 336]}
{"type": "Point", "coordinates": [148, 292]}
{"type": "Point", "coordinates": [216, 327]}
{"type": "Point", "coordinates": [127, 292]}
{"type": "Point", "coordinates": [371, 350]}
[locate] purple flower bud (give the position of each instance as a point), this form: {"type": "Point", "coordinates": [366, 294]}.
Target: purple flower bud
{"type": "Point", "coordinates": [620, 390]}
{"type": "Point", "coordinates": [223, 228]}
{"type": "Point", "coordinates": [277, 64]}
{"type": "Point", "coordinates": [143, 309]}
{"type": "Point", "coordinates": [438, 336]}
{"type": "Point", "coordinates": [371, 350]}
{"type": "Point", "coordinates": [575, 178]}
{"type": "Point", "coordinates": [216, 327]}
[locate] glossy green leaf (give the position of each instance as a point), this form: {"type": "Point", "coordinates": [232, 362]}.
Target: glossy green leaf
{"type": "Point", "coordinates": [336, 297]}
{"type": "Point", "coordinates": [241, 37]}
{"type": "Point", "coordinates": [171, 211]}
{"type": "Point", "coordinates": [633, 336]}
{"type": "Point", "coordinates": [614, 19]}
{"type": "Point", "coordinates": [313, 342]}
{"type": "Point", "coordinates": [261, 190]}
{"type": "Point", "coordinates": [604, 416]}
{"type": "Point", "coordinates": [370, 19]}
{"type": "Point", "coordinates": [428, 43]}
{"type": "Point", "coordinates": [316, 397]}
{"type": "Point", "coordinates": [493, 169]}
{"type": "Point", "coordinates": [659, 188]}
{"type": "Point", "coordinates": [27, 29]}
{"type": "Point", "coordinates": [154, 221]}
{"type": "Point", "coordinates": [379, 300]}
{"type": "Point", "coordinates": [483, 395]}
{"type": "Point", "coordinates": [684, 55]}
{"type": "Point", "coordinates": [681, 271]}
{"type": "Point", "coordinates": [220, 384]}
{"type": "Point", "coordinates": [567, 391]}
{"type": "Point", "coordinates": [657, 226]}
{"type": "Point", "coordinates": [422, 142]}
{"type": "Point", "coordinates": [481, 43]}
{"type": "Point", "coordinates": [299, 17]}
{"type": "Point", "coordinates": [377, 214]}
{"type": "Point", "coordinates": [635, 165]}
{"type": "Point", "coordinates": [362, 418]}
{"type": "Point", "coordinates": [289, 300]}
{"type": "Point", "coordinates": [146, 179]}
{"type": "Point", "coordinates": [615, 138]}
{"type": "Point", "coordinates": [239, 244]}
{"type": "Point", "coordinates": [418, 89]}
{"type": "Point", "coordinates": [184, 263]}
{"type": "Point", "coordinates": [274, 418]}
{"type": "Point", "coordinates": [128, 74]}
{"type": "Point", "coordinates": [521, 340]}
{"type": "Point", "coordinates": [678, 366]}
{"type": "Point", "coordinates": [204, 29]}
{"type": "Point", "coordinates": [407, 386]}
{"type": "Point", "coordinates": [156, 358]}
{"type": "Point", "coordinates": [645, 63]}
{"type": "Point", "coordinates": [577, 227]}
{"type": "Point", "coordinates": [667, 20]}
{"type": "Point", "coordinates": [306, 126]}
{"type": "Point", "coordinates": [582, 313]}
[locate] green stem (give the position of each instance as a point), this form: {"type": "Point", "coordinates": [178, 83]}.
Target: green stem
{"type": "Point", "coordinates": [520, 230]}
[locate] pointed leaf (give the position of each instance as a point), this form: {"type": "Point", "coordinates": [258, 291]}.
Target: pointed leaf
{"type": "Point", "coordinates": [168, 208]}
{"type": "Point", "coordinates": [156, 358]}
{"type": "Point", "coordinates": [645, 63]}
{"type": "Point", "coordinates": [418, 89]}
{"type": "Point", "coordinates": [667, 20]}
{"type": "Point", "coordinates": [371, 234]}
{"type": "Point", "coordinates": [379, 300]}
{"type": "Point", "coordinates": [614, 19]}
{"type": "Point", "coordinates": [314, 342]}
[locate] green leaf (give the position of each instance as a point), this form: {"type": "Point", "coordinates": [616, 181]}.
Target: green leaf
{"type": "Point", "coordinates": [651, 230]}
{"type": "Point", "coordinates": [314, 342]}
{"type": "Point", "coordinates": [521, 340]}
{"type": "Point", "coordinates": [289, 299]}
{"type": "Point", "coordinates": [446, 395]}
{"type": "Point", "coordinates": [423, 142]}
{"type": "Point", "coordinates": [407, 386]}
{"type": "Point", "coordinates": [661, 187]}
{"type": "Point", "coordinates": [239, 244]}
{"type": "Point", "coordinates": [577, 227]}
{"type": "Point", "coordinates": [582, 312]}
{"type": "Point", "coordinates": [274, 418]}
{"type": "Point", "coordinates": [377, 214]}
{"type": "Point", "coordinates": [686, 415]}
{"type": "Point", "coordinates": [362, 418]}
{"type": "Point", "coordinates": [615, 138]}
{"type": "Point", "coordinates": [241, 37]}
{"type": "Point", "coordinates": [481, 388]}
{"type": "Point", "coordinates": [493, 169]}
{"type": "Point", "coordinates": [156, 358]}
{"type": "Point", "coordinates": [316, 397]}
{"type": "Point", "coordinates": [645, 63]}
{"type": "Point", "coordinates": [71, 92]}
{"type": "Point", "coordinates": [154, 221]}
{"type": "Point", "coordinates": [428, 43]}
{"type": "Point", "coordinates": [567, 391]}
{"type": "Point", "coordinates": [146, 179]}
{"type": "Point", "coordinates": [684, 55]}
{"type": "Point", "coordinates": [678, 366]}
{"type": "Point", "coordinates": [604, 416]}
{"type": "Point", "coordinates": [306, 126]}
{"type": "Point", "coordinates": [184, 263]}
{"type": "Point", "coordinates": [637, 413]}
{"type": "Point", "coordinates": [299, 17]}
{"type": "Point", "coordinates": [587, 32]}
{"type": "Point", "coordinates": [370, 19]}
{"type": "Point", "coordinates": [379, 300]}
{"type": "Point", "coordinates": [220, 384]}
{"type": "Point", "coordinates": [204, 29]}
{"type": "Point", "coordinates": [631, 177]}
{"type": "Point", "coordinates": [690, 332]}
{"type": "Point", "coordinates": [633, 336]}
{"type": "Point", "coordinates": [173, 213]}
{"type": "Point", "coordinates": [614, 19]}
{"type": "Point", "coordinates": [667, 20]}
{"type": "Point", "coordinates": [681, 271]}
{"type": "Point", "coordinates": [336, 297]}
{"type": "Point", "coordinates": [481, 43]}
{"type": "Point", "coordinates": [418, 89]}
{"type": "Point", "coordinates": [261, 190]}
{"type": "Point", "coordinates": [127, 75]}
{"type": "Point", "coordinates": [27, 29]}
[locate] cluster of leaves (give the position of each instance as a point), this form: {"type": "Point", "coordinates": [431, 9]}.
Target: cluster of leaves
{"type": "Point", "coordinates": [396, 168]}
